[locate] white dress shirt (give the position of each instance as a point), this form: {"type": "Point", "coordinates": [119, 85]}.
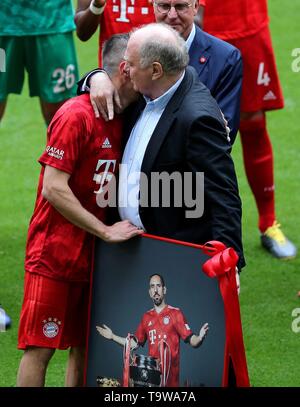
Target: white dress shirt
{"type": "Point", "coordinates": [190, 38]}
{"type": "Point", "coordinates": [130, 171]}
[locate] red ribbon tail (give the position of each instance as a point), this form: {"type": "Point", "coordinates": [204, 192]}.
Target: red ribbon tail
{"type": "Point", "coordinates": [126, 361]}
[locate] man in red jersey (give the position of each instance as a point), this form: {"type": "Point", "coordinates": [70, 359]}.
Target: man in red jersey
{"type": "Point", "coordinates": [163, 325]}
{"type": "Point", "coordinates": [244, 23]}
{"type": "Point", "coordinates": [81, 156]}
{"type": "Point", "coordinates": [113, 17]}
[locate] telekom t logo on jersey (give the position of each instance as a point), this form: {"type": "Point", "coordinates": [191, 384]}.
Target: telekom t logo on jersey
{"type": "Point", "coordinates": [104, 173]}
{"type": "Point", "coordinates": [124, 7]}
{"type": "Point", "coordinates": [152, 336]}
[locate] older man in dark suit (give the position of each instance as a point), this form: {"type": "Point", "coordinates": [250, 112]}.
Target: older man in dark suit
{"type": "Point", "coordinates": [179, 129]}
{"type": "Point", "coordinates": [217, 63]}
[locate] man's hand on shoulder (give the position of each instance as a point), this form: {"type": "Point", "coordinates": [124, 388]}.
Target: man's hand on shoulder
{"type": "Point", "coordinates": [103, 95]}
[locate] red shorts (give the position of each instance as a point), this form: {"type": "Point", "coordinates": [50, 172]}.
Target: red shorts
{"type": "Point", "coordinates": [261, 87]}
{"type": "Point", "coordinates": [54, 313]}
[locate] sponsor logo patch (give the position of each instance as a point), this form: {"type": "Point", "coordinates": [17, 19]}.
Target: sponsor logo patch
{"type": "Point", "coordinates": [55, 152]}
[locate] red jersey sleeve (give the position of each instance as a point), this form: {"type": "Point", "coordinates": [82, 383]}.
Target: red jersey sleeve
{"type": "Point", "coordinates": [141, 333]}
{"type": "Point", "coordinates": [182, 326]}
{"type": "Point", "coordinates": [65, 138]}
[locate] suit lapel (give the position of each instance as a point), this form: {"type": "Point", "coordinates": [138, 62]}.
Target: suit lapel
{"type": "Point", "coordinates": [165, 122]}
{"type": "Point", "coordinates": [199, 51]}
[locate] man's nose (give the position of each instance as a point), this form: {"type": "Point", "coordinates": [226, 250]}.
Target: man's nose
{"type": "Point", "coordinates": [172, 12]}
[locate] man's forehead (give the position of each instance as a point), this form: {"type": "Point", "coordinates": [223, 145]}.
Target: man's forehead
{"type": "Point", "coordinates": [129, 51]}
{"type": "Point", "coordinates": [155, 280]}
{"type": "Point", "coordinates": [132, 43]}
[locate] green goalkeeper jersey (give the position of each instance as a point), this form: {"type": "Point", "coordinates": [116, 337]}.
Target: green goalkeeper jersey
{"type": "Point", "coordinates": [36, 17]}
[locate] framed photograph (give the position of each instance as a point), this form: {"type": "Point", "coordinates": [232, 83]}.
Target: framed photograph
{"type": "Point", "coordinates": [158, 320]}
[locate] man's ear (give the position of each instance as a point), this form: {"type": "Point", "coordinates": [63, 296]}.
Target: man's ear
{"type": "Point", "coordinates": [157, 71]}
{"type": "Point", "coordinates": [165, 290]}
{"type": "Point", "coordinates": [196, 7]}
{"type": "Point", "coordinates": [123, 69]}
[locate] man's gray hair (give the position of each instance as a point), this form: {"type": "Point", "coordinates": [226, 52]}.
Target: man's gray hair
{"type": "Point", "coordinates": [173, 56]}
{"type": "Point", "coordinates": [113, 52]}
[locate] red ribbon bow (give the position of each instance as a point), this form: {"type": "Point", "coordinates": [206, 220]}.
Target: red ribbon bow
{"type": "Point", "coordinates": [223, 259]}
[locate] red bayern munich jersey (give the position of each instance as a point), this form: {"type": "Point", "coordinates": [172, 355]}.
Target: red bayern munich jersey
{"type": "Point", "coordinates": [231, 19]}
{"type": "Point", "coordinates": [169, 325]}
{"type": "Point", "coordinates": [86, 148]}
{"type": "Point", "coordinates": [121, 16]}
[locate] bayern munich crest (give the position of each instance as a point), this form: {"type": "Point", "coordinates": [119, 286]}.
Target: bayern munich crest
{"type": "Point", "coordinates": [51, 327]}
{"type": "Point", "coordinates": [166, 320]}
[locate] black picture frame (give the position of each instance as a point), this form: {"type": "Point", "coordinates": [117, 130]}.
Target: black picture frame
{"type": "Point", "coordinates": [119, 297]}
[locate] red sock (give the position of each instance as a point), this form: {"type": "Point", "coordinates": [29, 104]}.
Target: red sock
{"type": "Point", "coordinates": [258, 161]}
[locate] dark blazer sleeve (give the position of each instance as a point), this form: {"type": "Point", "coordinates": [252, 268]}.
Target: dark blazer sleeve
{"type": "Point", "coordinates": [228, 91]}
{"type": "Point", "coordinates": [208, 151]}
{"type": "Point", "coordinates": [83, 85]}
{"type": "Point", "coordinates": [221, 73]}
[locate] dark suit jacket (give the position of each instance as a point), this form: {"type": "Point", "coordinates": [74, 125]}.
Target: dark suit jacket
{"type": "Point", "coordinates": [219, 66]}
{"type": "Point", "coordinates": [191, 137]}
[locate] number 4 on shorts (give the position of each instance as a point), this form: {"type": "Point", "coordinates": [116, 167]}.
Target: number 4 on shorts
{"type": "Point", "coordinates": [263, 78]}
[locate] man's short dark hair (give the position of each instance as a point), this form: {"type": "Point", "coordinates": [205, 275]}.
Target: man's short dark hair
{"type": "Point", "coordinates": [113, 52]}
{"type": "Point", "coordinates": [161, 278]}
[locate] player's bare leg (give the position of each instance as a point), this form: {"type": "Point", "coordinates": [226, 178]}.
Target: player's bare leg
{"type": "Point", "coordinates": [33, 367]}
{"type": "Point", "coordinates": [75, 368]}
{"type": "Point", "coordinates": [49, 109]}
{"type": "Point", "coordinates": [2, 108]}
